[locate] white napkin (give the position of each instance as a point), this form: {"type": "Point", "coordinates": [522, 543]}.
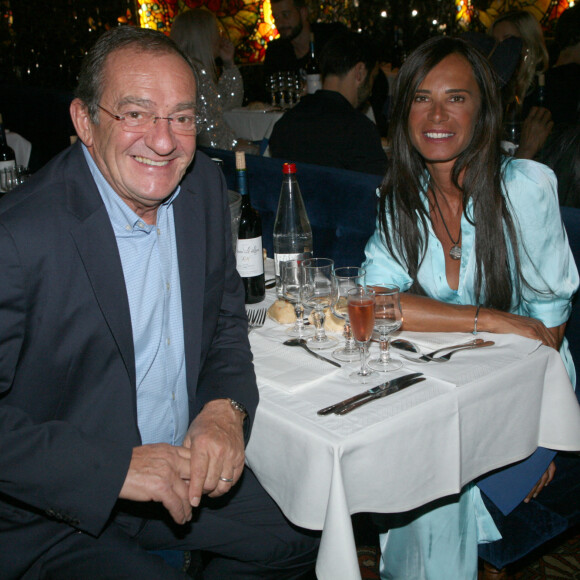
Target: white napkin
{"type": "Point", "coordinates": [285, 367]}
{"type": "Point", "coordinates": [469, 365]}
{"type": "Point", "coordinates": [430, 341]}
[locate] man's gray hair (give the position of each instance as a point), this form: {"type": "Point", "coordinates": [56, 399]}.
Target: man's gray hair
{"type": "Point", "coordinates": [92, 75]}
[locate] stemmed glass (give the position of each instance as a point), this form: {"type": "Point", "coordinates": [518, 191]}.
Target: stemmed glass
{"type": "Point", "coordinates": [361, 311]}
{"type": "Point", "coordinates": [388, 318]}
{"type": "Point", "coordinates": [346, 279]}
{"type": "Point", "coordinates": [317, 293]}
{"type": "Point", "coordinates": [292, 279]}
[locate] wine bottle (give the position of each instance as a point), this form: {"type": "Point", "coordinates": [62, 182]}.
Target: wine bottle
{"type": "Point", "coordinates": [292, 231]}
{"type": "Point", "coordinates": [7, 157]}
{"type": "Point", "coordinates": [249, 258]}
{"type": "Point", "coordinates": [313, 78]}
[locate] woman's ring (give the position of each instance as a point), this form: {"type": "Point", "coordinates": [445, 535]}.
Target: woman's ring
{"type": "Point", "coordinates": [227, 479]}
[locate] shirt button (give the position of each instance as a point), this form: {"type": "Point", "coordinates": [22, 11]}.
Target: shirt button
{"type": "Point", "coordinates": [141, 225]}
{"type": "Point", "coordinates": [168, 341]}
{"type": "Point", "coordinates": [168, 286]}
{"type": "Point", "coordinates": [158, 231]}
{"type": "Point", "coordinates": [128, 228]}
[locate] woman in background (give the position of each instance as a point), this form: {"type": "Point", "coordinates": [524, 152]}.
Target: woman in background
{"type": "Point", "coordinates": [521, 93]}
{"type": "Point", "coordinates": [476, 243]}
{"type": "Point", "coordinates": [197, 33]}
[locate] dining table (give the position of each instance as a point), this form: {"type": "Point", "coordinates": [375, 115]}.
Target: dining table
{"type": "Point", "coordinates": [253, 124]}
{"type": "Point", "coordinates": [483, 409]}
{"type": "Point", "coordinates": [21, 146]}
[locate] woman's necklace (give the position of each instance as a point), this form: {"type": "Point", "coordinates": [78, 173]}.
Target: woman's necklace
{"type": "Point", "coordinates": [455, 251]}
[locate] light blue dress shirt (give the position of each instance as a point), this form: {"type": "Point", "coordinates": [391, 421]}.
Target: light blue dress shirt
{"type": "Point", "coordinates": [150, 267]}
{"type": "Point", "coordinates": [441, 542]}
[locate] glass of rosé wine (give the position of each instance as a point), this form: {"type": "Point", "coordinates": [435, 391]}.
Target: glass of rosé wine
{"type": "Point", "coordinates": [361, 313]}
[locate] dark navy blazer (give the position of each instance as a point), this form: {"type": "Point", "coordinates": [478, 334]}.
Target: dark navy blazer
{"type": "Point", "coordinates": [68, 419]}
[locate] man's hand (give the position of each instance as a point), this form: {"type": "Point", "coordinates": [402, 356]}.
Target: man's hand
{"type": "Point", "coordinates": [216, 442]}
{"type": "Point", "coordinates": [160, 472]}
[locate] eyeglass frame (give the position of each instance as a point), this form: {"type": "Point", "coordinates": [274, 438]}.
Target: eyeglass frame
{"type": "Point", "coordinates": [147, 127]}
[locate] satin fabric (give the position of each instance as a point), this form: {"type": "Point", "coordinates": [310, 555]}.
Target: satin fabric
{"type": "Point", "coordinates": [440, 543]}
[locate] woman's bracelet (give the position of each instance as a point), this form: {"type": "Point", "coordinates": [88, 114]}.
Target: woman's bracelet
{"type": "Point", "coordinates": [475, 320]}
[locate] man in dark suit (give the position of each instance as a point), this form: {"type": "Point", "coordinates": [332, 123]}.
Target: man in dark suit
{"type": "Point", "coordinates": [127, 390]}
{"type": "Point", "coordinates": [327, 127]}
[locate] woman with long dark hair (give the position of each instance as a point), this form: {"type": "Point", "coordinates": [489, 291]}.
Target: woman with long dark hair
{"type": "Point", "coordinates": [476, 242]}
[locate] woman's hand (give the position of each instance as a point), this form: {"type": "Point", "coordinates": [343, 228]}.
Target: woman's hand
{"type": "Point", "coordinates": [424, 314]}
{"type": "Point", "coordinates": [535, 130]}
{"type": "Point", "coordinates": [543, 482]}
{"type": "Point", "coordinates": [507, 323]}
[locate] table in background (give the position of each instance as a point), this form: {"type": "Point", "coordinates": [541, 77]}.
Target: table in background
{"type": "Point", "coordinates": [21, 146]}
{"type": "Point", "coordinates": [484, 409]}
{"type": "Point", "coordinates": [251, 124]}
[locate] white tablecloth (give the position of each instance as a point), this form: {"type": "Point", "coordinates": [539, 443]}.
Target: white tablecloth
{"type": "Point", "coordinates": [484, 409]}
{"type": "Point", "coordinates": [251, 124]}
{"type": "Point", "coordinates": [22, 147]}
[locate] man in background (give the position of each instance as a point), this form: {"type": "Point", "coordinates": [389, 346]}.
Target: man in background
{"type": "Point", "coordinates": [291, 51]}
{"type": "Point", "coordinates": [327, 128]}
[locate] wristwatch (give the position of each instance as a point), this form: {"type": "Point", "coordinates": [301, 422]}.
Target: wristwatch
{"type": "Point", "coordinates": [238, 407]}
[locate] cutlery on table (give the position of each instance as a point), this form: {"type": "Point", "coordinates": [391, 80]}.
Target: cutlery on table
{"type": "Point", "coordinates": [256, 318]}
{"type": "Point", "coordinates": [302, 343]}
{"type": "Point", "coordinates": [429, 356]}
{"type": "Point", "coordinates": [393, 385]}
{"type": "Point", "coordinates": [447, 356]}
{"type": "Point", "coordinates": [387, 391]}
{"type": "Point", "coordinates": [406, 345]}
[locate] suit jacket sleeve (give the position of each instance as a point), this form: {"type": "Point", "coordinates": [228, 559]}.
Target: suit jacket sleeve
{"type": "Point", "coordinates": [51, 465]}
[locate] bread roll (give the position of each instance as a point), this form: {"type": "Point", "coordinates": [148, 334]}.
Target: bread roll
{"type": "Point", "coordinates": [282, 312]}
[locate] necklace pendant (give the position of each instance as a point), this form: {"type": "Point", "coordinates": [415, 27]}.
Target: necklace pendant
{"type": "Point", "coordinates": [455, 252]}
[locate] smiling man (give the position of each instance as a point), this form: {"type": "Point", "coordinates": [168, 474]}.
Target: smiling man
{"type": "Point", "coordinates": [127, 391]}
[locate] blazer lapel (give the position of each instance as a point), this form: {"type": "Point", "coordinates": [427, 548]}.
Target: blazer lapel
{"type": "Point", "coordinates": [190, 231]}
{"type": "Point", "coordinates": [97, 247]}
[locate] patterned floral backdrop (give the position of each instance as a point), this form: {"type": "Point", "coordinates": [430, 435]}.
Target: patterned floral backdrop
{"type": "Point", "coordinates": [42, 43]}
{"type": "Point", "coordinates": [249, 23]}
{"type": "Point", "coordinates": [481, 13]}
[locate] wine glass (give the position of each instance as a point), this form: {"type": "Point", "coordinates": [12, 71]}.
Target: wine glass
{"type": "Point", "coordinates": [291, 278]}
{"type": "Point", "coordinates": [317, 293]}
{"type": "Point", "coordinates": [346, 279]}
{"type": "Point", "coordinates": [361, 312]}
{"type": "Point", "coordinates": [388, 318]}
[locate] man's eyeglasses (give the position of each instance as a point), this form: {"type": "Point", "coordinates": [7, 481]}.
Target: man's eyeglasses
{"type": "Point", "coordinates": [142, 122]}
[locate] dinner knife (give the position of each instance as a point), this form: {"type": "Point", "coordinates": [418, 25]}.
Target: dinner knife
{"type": "Point", "coordinates": [372, 391]}
{"type": "Point", "coordinates": [388, 391]}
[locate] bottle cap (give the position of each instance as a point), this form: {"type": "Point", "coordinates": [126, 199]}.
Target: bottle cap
{"type": "Point", "coordinates": [240, 160]}
{"type": "Point", "coordinates": [289, 168]}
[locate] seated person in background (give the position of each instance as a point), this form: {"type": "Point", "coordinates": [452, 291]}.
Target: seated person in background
{"type": "Point", "coordinates": [520, 94]}
{"type": "Point", "coordinates": [198, 35]}
{"type": "Point", "coordinates": [563, 79]}
{"type": "Point", "coordinates": [290, 52]}
{"type": "Point", "coordinates": [127, 391]}
{"type": "Point", "coordinates": [327, 128]}
{"type": "Point", "coordinates": [476, 242]}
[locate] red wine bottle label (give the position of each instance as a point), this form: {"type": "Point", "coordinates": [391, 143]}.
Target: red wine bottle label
{"type": "Point", "coordinates": [249, 258]}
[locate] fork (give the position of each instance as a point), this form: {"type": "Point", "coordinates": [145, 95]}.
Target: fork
{"type": "Point", "coordinates": [256, 318]}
